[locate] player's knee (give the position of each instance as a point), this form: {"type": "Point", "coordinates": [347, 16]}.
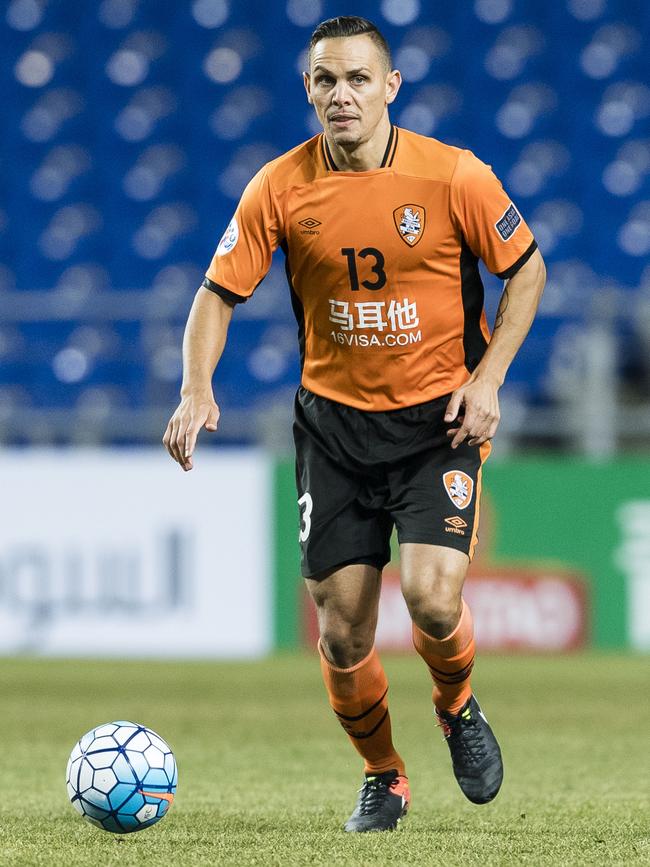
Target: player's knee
{"type": "Point", "coordinates": [345, 645]}
{"type": "Point", "coordinates": [434, 604]}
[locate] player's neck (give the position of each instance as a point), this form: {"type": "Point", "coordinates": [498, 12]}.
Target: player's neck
{"type": "Point", "coordinates": [366, 156]}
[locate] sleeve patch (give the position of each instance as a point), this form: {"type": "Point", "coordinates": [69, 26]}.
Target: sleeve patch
{"type": "Point", "coordinates": [508, 222]}
{"type": "Point", "coordinates": [229, 239]}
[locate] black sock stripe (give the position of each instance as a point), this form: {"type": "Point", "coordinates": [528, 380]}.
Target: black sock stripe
{"type": "Point", "coordinates": [452, 676]}
{"type": "Point", "coordinates": [450, 681]}
{"type": "Point", "coordinates": [369, 734]}
{"type": "Point", "coordinates": [361, 715]}
{"type": "Point", "coordinates": [458, 670]}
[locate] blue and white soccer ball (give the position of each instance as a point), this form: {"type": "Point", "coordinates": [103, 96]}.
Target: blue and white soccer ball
{"type": "Point", "coordinates": [122, 777]}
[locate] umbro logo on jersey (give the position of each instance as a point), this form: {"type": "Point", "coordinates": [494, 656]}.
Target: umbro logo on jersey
{"type": "Point", "coordinates": [459, 487]}
{"type": "Point", "coordinates": [409, 221]}
{"type": "Point", "coordinates": [309, 223]}
{"type": "Point", "coordinates": [309, 226]}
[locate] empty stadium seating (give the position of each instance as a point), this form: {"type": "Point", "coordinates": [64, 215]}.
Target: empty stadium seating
{"type": "Point", "coordinates": [130, 127]}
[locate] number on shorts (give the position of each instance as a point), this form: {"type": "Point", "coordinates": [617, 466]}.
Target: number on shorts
{"type": "Point", "coordinates": [305, 517]}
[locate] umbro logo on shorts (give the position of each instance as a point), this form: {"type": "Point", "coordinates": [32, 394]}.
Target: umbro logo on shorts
{"type": "Point", "coordinates": [459, 487]}
{"type": "Point", "coordinates": [456, 525]}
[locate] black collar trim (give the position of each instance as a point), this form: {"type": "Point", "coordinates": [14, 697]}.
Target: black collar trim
{"type": "Point", "coordinates": [329, 162]}
{"type": "Point", "coordinates": [391, 147]}
{"type": "Point", "coordinates": [388, 158]}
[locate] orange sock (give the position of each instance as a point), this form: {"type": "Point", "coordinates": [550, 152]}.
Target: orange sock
{"type": "Point", "coordinates": [358, 697]}
{"type": "Point", "coordinates": [450, 662]}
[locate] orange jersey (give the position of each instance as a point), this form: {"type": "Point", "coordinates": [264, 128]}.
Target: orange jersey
{"type": "Point", "coordinates": [382, 264]}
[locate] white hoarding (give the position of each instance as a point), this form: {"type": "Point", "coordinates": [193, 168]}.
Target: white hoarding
{"type": "Point", "coordinates": [633, 559]}
{"type": "Point", "coordinates": [123, 554]}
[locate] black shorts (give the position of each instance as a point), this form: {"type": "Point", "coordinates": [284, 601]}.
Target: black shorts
{"type": "Point", "coordinates": [359, 474]}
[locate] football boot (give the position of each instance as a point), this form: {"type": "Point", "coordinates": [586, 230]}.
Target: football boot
{"type": "Point", "coordinates": [383, 800]}
{"type": "Point", "coordinates": [475, 753]}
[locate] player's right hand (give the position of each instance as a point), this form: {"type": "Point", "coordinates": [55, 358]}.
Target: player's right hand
{"type": "Point", "coordinates": [192, 413]}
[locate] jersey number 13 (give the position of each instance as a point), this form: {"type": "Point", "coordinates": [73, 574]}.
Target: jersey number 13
{"type": "Point", "coordinates": [378, 268]}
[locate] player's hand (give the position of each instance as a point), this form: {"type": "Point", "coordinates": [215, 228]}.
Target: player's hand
{"type": "Point", "coordinates": [192, 413]}
{"type": "Point", "coordinates": [475, 408]}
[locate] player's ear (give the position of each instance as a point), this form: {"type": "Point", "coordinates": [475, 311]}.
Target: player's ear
{"type": "Point", "coordinates": [393, 84]}
{"type": "Point", "coordinates": [306, 80]}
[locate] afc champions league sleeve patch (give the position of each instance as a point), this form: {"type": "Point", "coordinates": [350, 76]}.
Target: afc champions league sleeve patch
{"type": "Point", "coordinates": [229, 239]}
{"type": "Point", "coordinates": [508, 222]}
{"type": "Point", "coordinates": [459, 487]}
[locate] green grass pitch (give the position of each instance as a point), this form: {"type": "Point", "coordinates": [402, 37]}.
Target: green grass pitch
{"type": "Point", "coordinates": [266, 775]}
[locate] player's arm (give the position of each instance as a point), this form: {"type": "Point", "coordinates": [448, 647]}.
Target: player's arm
{"type": "Point", "coordinates": [203, 344]}
{"type": "Point", "coordinates": [476, 403]}
{"type": "Point", "coordinates": [240, 262]}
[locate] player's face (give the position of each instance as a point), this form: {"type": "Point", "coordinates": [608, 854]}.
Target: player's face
{"type": "Point", "coordinates": [349, 87]}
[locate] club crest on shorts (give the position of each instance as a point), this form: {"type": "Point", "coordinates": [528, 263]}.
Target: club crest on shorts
{"type": "Point", "coordinates": [409, 221]}
{"type": "Point", "coordinates": [459, 487]}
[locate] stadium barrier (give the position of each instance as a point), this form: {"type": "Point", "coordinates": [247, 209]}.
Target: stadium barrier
{"type": "Point", "coordinates": [563, 559]}
{"type": "Point", "coordinates": [106, 553]}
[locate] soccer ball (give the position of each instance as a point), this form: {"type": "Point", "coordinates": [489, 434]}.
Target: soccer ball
{"type": "Point", "coordinates": [121, 776]}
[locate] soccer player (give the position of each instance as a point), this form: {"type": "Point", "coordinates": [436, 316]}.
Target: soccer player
{"type": "Point", "coordinates": [382, 230]}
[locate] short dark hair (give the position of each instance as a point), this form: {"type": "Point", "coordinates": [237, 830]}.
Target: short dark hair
{"type": "Point", "coordinates": [351, 25]}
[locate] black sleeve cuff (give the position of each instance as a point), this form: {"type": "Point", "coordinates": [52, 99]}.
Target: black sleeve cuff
{"type": "Point", "coordinates": [222, 292]}
{"type": "Point", "coordinates": [521, 261]}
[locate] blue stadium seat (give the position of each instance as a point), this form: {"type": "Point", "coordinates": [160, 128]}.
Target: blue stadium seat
{"type": "Point", "coordinates": [130, 128]}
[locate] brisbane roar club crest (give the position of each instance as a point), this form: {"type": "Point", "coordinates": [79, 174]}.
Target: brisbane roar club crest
{"type": "Point", "coordinates": [409, 220]}
{"type": "Point", "coordinates": [459, 487]}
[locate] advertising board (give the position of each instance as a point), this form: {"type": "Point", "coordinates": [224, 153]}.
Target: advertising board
{"type": "Point", "coordinates": [123, 554]}
{"type": "Point", "coordinates": [513, 610]}
{"type": "Point", "coordinates": [563, 558]}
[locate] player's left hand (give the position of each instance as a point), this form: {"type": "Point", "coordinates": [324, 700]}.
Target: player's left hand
{"type": "Point", "coordinates": [475, 408]}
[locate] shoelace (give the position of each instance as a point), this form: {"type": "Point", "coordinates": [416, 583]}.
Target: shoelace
{"type": "Point", "coordinates": [466, 734]}
{"type": "Point", "coordinates": [373, 793]}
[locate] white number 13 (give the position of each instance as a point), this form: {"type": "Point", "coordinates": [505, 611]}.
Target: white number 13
{"type": "Point", "coordinates": [305, 517]}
